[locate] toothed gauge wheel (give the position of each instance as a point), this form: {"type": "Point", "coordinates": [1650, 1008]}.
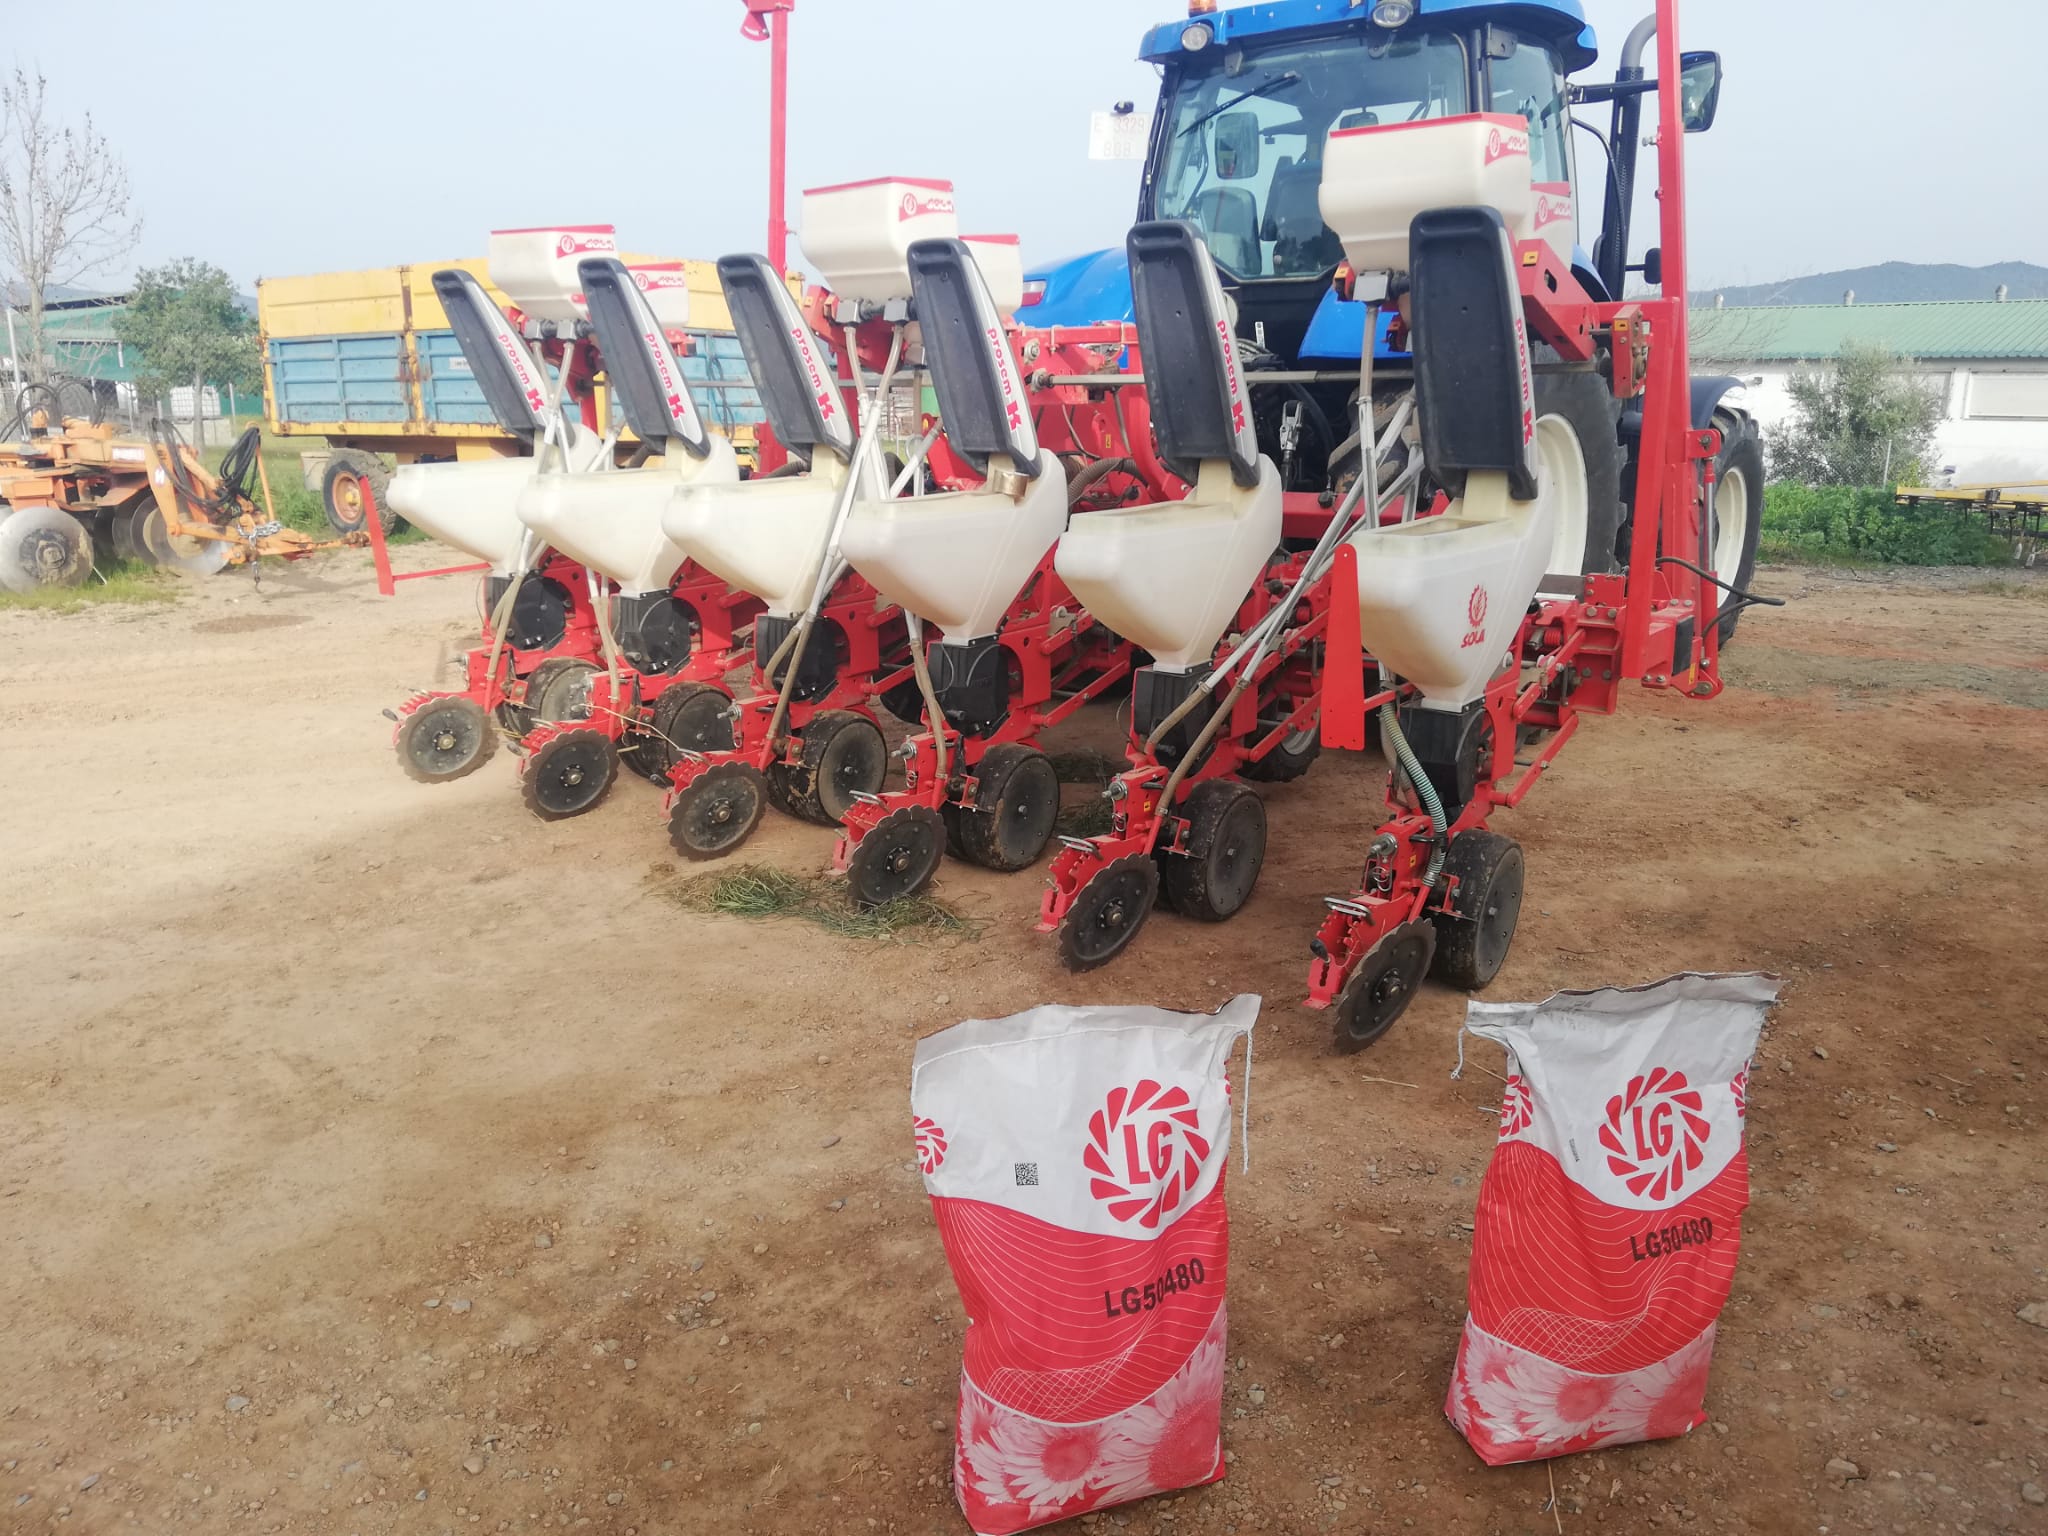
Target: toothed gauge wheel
{"type": "Point", "coordinates": [899, 857]}
{"type": "Point", "coordinates": [444, 740]}
{"type": "Point", "coordinates": [1380, 990]}
{"type": "Point", "coordinates": [1108, 912]}
{"type": "Point", "coordinates": [717, 811]}
{"type": "Point", "coordinates": [569, 774]}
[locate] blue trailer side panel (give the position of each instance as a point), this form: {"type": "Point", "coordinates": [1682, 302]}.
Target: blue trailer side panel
{"type": "Point", "coordinates": [448, 389]}
{"type": "Point", "coordinates": [340, 378]}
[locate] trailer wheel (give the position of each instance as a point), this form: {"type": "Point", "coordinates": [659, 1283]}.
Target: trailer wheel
{"type": "Point", "coordinates": [1016, 807]}
{"type": "Point", "coordinates": [1579, 468]}
{"type": "Point", "coordinates": [1473, 940]}
{"type": "Point", "coordinates": [349, 470]}
{"type": "Point", "coordinates": [1735, 517]}
{"type": "Point", "coordinates": [1226, 849]}
{"type": "Point", "coordinates": [845, 755]}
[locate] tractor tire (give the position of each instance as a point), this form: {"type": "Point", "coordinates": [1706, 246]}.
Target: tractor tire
{"type": "Point", "coordinates": [349, 472]}
{"type": "Point", "coordinates": [1737, 513]}
{"type": "Point", "coordinates": [1579, 452]}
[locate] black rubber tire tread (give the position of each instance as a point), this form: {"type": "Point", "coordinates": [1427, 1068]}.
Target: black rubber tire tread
{"type": "Point", "coordinates": [1741, 448]}
{"type": "Point", "coordinates": [123, 534]}
{"type": "Point", "coordinates": [831, 735]}
{"type": "Point", "coordinates": [418, 720]}
{"type": "Point", "coordinates": [917, 830]}
{"type": "Point", "coordinates": [688, 715]}
{"type": "Point", "coordinates": [368, 468]}
{"type": "Point", "coordinates": [1017, 792]}
{"type": "Point", "coordinates": [546, 683]}
{"type": "Point", "coordinates": [1226, 821]}
{"type": "Point", "coordinates": [1490, 872]}
{"type": "Point", "coordinates": [535, 770]}
{"type": "Point", "coordinates": [1282, 765]}
{"type": "Point", "coordinates": [1585, 401]}
{"type": "Point", "coordinates": [1076, 954]}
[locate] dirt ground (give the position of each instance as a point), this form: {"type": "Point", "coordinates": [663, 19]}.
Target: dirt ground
{"type": "Point", "coordinates": [375, 1158]}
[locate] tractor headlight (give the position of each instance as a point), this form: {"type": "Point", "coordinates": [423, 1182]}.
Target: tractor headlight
{"type": "Point", "coordinates": [1196, 37]}
{"type": "Point", "coordinates": [1393, 13]}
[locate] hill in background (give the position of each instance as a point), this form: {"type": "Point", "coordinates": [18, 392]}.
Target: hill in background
{"type": "Point", "coordinates": [1891, 282]}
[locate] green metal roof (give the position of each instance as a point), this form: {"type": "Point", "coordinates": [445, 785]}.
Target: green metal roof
{"type": "Point", "coordinates": [1957, 330]}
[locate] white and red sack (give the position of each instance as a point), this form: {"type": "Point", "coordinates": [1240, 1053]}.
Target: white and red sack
{"type": "Point", "coordinates": [1610, 1217]}
{"type": "Point", "coordinates": [1075, 1161]}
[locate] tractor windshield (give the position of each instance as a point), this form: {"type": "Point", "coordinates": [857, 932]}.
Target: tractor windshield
{"type": "Point", "coordinates": [1242, 145]}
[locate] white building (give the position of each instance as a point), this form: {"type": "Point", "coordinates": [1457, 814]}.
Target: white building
{"type": "Point", "coordinates": [1988, 358]}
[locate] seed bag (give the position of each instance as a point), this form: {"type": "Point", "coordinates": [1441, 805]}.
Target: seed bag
{"type": "Point", "coordinates": [1075, 1161]}
{"type": "Point", "coordinates": [1610, 1217]}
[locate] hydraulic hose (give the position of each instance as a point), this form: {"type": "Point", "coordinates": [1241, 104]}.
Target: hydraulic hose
{"type": "Point", "coordinates": [1095, 471]}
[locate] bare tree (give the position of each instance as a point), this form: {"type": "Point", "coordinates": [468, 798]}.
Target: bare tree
{"type": "Point", "coordinates": [63, 201]}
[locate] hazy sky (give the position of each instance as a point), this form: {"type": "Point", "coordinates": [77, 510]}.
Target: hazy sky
{"type": "Point", "coordinates": [313, 136]}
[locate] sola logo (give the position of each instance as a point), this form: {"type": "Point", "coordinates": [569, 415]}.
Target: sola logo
{"type": "Point", "coordinates": [1517, 1107]}
{"type": "Point", "coordinates": [569, 244]}
{"type": "Point", "coordinates": [1655, 1133]}
{"type": "Point", "coordinates": [1145, 1150]}
{"type": "Point", "coordinates": [1475, 611]}
{"type": "Point", "coordinates": [1500, 145]}
{"type": "Point", "coordinates": [914, 207]}
{"type": "Point", "coordinates": [1550, 209]}
{"type": "Point", "coordinates": [931, 1144]}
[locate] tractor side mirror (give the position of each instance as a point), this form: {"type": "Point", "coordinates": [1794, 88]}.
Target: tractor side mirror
{"type": "Point", "coordinates": [1237, 146]}
{"type": "Point", "coordinates": [1699, 90]}
{"type": "Point", "coordinates": [1653, 266]}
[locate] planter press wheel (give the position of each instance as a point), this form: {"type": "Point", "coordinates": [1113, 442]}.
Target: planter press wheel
{"type": "Point", "coordinates": [1380, 990]}
{"type": "Point", "coordinates": [569, 773]}
{"type": "Point", "coordinates": [43, 547]}
{"type": "Point", "coordinates": [559, 689]}
{"type": "Point", "coordinates": [717, 811]}
{"type": "Point", "coordinates": [1471, 944]}
{"type": "Point", "coordinates": [689, 717]}
{"type": "Point", "coordinates": [844, 754]}
{"type": "Point", "coordinates": [1017, 806]}
{"type": "Point", "coordinates": [1226, 849]}
{"type": "Point", "coordinates": [899, 857]}
{"type": "Point", "coordinates": [445, 740]}
{"type": "Point", "coordinates": [1108, 912]}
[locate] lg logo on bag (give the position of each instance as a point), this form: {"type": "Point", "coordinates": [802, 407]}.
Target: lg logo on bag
{"type": "Point", "coordinates": [1145, 1150]}
{"type": "Point", "coordinates": [1656, 1133]}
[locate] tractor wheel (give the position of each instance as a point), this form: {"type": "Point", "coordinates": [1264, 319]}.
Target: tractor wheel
{"type": "Point", "coordinates": [1382, 987]}
{"type": "Point", "coordinates": [559, 689]}
{"type": "Point", "coordinates": [43, 547]}
{"type": "Point", "coordinates": [1016, 807]}
{"type": "Point", "coordinates": [445, 740]}
{"type": "Point", "coordinates": [1578, 471]}
{"type": "Point", "coordinates": [571, 772]}
{"type": "Point", "coordinates": [1737, 513]}
{"type": "Point", "coordinates": [1472, 943]}
{"type": "Point", "coordinates": [844, 754]}
{"type": "Point", "coordinates": [1290, 757]}
{"type": "Point", "coordinates": [1226, 848]}
{"type": "Point", "coordinates": [349, 472]}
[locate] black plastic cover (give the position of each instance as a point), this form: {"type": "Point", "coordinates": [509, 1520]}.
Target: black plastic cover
{"type": "Point", "coordinates": [971, 679]}
{"type": "Point", "coordinates": [540, 615]}
{"type": "Point", "coordinates": [656, 631]}
{"type": "Point", "coordinates": [514, 384]}
{"type": "Point", "coordinates": [1472, 385]}
{"type": "Point", "coordinates": [798, 384]}
{"type": "Point", "coordinates": [974, 374]}
{"type": "Point", "coordinates": [644, 373]}
{"type": "Point", "coordinates": [1154, 696]}
{"type": "Point", "coordinates": [1200, 408]}
{"type": "Point", "coordinates": [817, 669]}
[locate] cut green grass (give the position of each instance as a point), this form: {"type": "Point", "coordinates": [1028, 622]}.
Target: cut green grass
{"type": "Point", "coordinates": [125, 582]}
{"type": "Point", "coordinates": [759, 891]}
{"type": "Point", "coordinates": [1085, 767]}
{"type": "Point", "coordinates": [1086, 818]}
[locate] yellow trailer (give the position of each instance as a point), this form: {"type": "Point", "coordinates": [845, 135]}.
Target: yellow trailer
{"type": "Point", "coordinates": [363, 366]}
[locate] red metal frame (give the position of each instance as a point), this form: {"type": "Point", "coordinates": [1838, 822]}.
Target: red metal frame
{"type": "Point", "coordinates": [380, 553]}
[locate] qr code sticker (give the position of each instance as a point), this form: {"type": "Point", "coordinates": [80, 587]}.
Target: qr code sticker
{"type": "Point", "coordinates": [1027, 1175]}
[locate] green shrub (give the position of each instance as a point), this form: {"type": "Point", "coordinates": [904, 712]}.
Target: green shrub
{"type": "Point", "coordinates": [1864, 525]}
